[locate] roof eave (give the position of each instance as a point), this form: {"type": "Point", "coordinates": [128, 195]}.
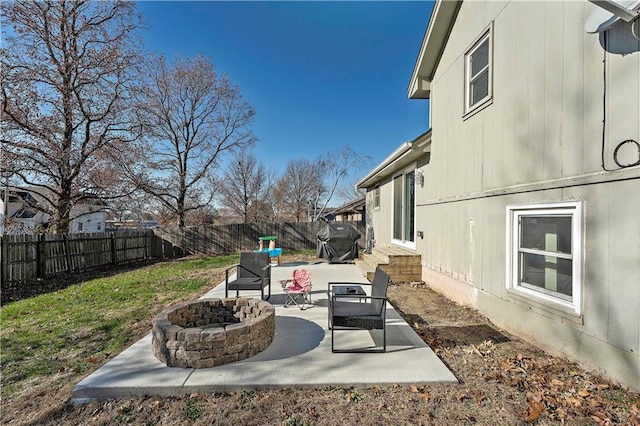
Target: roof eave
{"type": "Point", "coordinates": [442, 18]}
{"type": "Point", "coordinates": [403, 155]}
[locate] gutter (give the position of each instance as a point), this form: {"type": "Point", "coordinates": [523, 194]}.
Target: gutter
{"type": "Point", "coordinates": [401, 150]}
{"type": "Point", "coordinates": [416, 148]}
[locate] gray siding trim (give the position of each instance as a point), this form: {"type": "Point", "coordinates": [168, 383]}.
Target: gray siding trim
{"type": "Point", "coordinates": [588, 179]}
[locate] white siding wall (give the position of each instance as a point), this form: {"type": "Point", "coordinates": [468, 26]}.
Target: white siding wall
{"type": "Point", "coordinates": [91, 223]}
{"type": "Point", "coordinates": [539, 141]}
{"type": "Point", "coordinates": [380, 218]}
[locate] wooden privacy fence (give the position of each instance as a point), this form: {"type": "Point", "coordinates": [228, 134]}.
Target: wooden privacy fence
{"type": "Point", "coordinates": [30, 257]}
{"type": "Point", "coordinates": [219, 239]}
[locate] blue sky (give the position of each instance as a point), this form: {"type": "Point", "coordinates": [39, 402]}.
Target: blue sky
{"type": "Point", "coordinates": [320, 75]}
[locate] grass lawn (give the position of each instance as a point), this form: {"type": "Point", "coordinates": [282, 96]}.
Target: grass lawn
{"type": "Point", "coordinates": [74, 330]}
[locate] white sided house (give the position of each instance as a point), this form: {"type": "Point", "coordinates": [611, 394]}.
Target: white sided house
{"type": "Point", "coordinates": [88, 216]}
{"type": "Point", "coordinates": [26, 213]}
{"type": "Point", "coordinates": [523, 198]}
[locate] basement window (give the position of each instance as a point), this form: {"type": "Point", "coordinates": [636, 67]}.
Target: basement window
{"type": "Point", "coordinates": [544, 246]}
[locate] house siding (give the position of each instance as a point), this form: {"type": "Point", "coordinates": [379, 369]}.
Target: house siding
{"type": "Point", "coordinates": [91, 223]}
{"type": "Point", "coordinates": [539, 141]}
{"type": "Point", "coordinates": [84, 217]}
{"type": "Point", "coordinates": [380, 219]}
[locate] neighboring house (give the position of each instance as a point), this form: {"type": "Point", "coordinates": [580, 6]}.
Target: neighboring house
{"type": "Point", "coordinates": [25, 215]}
{"type": "Point", "coordinates": [350, 212]}
{"type": "Point", "coordinates": [22, 218]}
{"type": "Point", "coordinates": [523, 199]}
{"type": "Point", "coordinates": [88, 216]}
{"type": "Point", "coordinates": [113, 224]}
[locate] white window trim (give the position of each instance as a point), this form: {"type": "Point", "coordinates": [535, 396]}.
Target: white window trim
{"type": "Point", "coordinates": [468, 108]}
{"type": "Point", "coordinates": [574, 209]}
{"type": "Point", "coordinates": [406, 244]}
{"type": "Point", "coordinates": [376, 197]}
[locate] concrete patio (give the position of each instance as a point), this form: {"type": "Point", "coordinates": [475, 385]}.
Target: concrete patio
{"type": "Point", "coordinates": [300, 354]}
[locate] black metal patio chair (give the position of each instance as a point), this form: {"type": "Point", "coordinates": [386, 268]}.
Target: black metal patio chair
{"type": "Point", "coordinates": [252, 273]}
{"type": "Point", "coordinates": [363, 313]}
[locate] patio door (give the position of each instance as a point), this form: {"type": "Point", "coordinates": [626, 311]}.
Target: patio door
{"type": "Point", "coordinates": [404, 209]}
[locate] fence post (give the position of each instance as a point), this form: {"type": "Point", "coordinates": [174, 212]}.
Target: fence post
{"type": "Point", "coordinates": [113, 248]}
{"type": "Point", "coordinates": [67, 254]}
{"type": "Point", "coordinates": [41, 260]}
{"type": "Point", "coordinates": [4, 261]}
{"type": "Point", "coordinates": [150, 237]}
{"type": "Point", "coordinates": [124, 245]}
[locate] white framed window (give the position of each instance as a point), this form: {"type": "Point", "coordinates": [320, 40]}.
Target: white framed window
{"type": "Point", "coordinates": [544, 254]}
{"type": "Point", "coordinates": [376, 197]}
{"type": "Point", "coordinates": [478, 73]}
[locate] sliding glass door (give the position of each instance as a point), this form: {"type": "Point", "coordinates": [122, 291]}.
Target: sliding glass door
{"type": "Point", "coordinates": [404, 209]}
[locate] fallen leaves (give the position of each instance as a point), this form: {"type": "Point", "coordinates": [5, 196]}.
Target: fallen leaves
{"type": "Point", "coordinates": [418, 284]}
{"type": "Point", "coordinates": [423, 394]}
{"type": "Point", "coordinates": [479, 396]}
{"type": "Point", "coordinates": [312, 412]}
{"type": "Point", "coordinates": [534, 411]}
{"type": "Point", "coordinates": [381, 406]}
{"type": "Point", "coordinates": [634, 416]}
{"type": "Point", "coordinates": [555, 389]}
{"type": "Point", "coordinates": [353, 396]}
{"type": "Point", "coordinates": [584, 393]}
{"type": "Point", "coordinates": [483, 349]}
{"type": "Point", "coordinates": [376, 391]}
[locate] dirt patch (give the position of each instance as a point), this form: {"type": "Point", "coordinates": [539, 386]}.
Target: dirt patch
{"type": "Point", "coordinates": [503, 380]}
{"type": "Point", "coordinates": [22, 290]}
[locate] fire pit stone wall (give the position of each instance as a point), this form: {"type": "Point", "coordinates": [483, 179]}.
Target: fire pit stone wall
{"type": "Point", "coordinates": [210, 332]}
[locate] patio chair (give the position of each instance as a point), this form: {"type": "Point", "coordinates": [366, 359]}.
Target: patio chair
{"type": "Point", "coordinates": [358, 312]}
{"type": "Point", "coordinates": [299, 289]}
{"type": "Point", "coordinates": [252, 273]}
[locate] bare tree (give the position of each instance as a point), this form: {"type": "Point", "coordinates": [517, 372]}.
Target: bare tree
{"type": "Point", "coordinates": [67, 69]}
{"type": "Point", "coordinates": [299, 189]}
{"type": "Point", "coordinates": [306, 188]}
{"type": "Point", "coordinates": [192, 117]}
{"type": "Point", "coordinates": [136, 207]}
{"type": "Point", "coordinates": [337, 167]}
{"type": "Point", "coordinates": [204, 216]}
{"type": "Point", "coordinates": [244, 189]}
{"type": "Point", "coordinates": [349, 192]}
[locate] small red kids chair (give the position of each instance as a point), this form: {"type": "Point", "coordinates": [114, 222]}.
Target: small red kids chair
{"type": "Point", "coordinates": [298, 289]}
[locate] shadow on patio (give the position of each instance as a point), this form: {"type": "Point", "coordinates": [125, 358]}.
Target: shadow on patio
{"type": "Point", "coordinates": [300, 354]}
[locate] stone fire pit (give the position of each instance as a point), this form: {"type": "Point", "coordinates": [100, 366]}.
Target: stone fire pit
{"type": "Point", "coordinates": [210, 332]}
